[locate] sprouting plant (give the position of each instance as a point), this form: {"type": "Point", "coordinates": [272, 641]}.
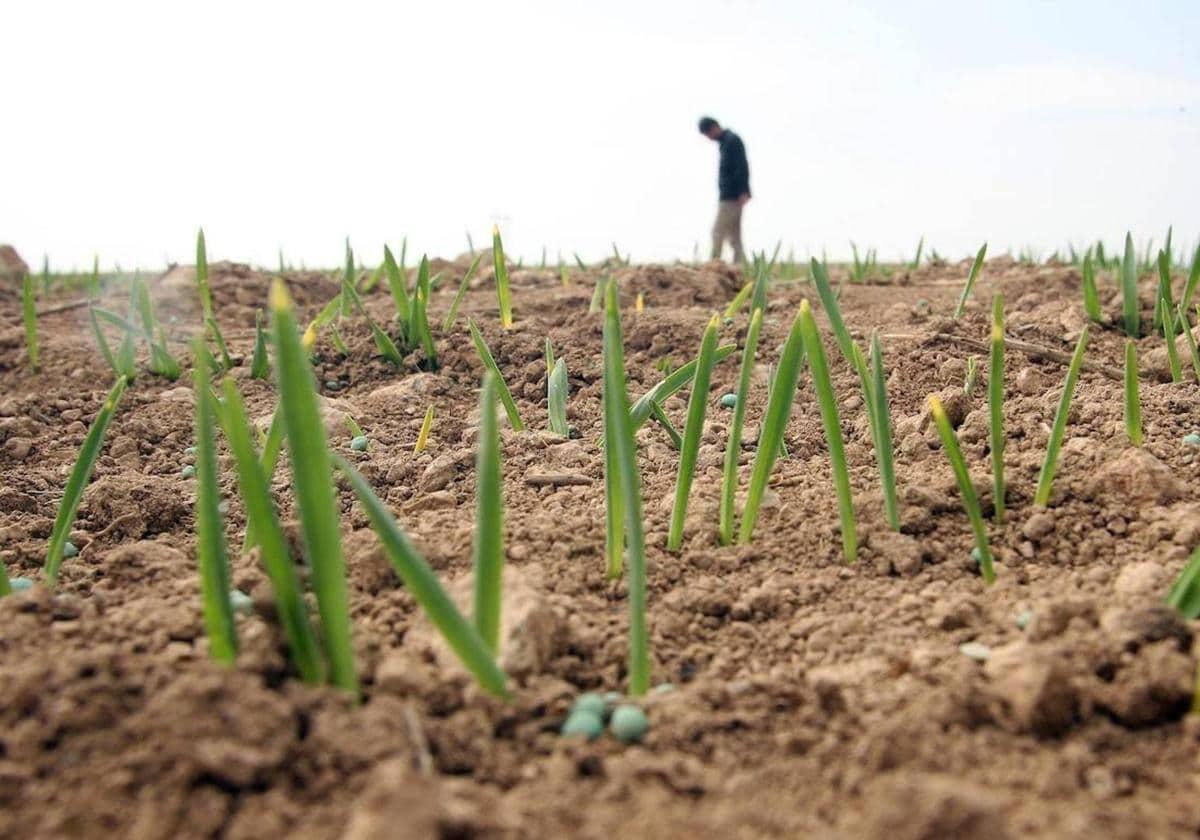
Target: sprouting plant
{"type": "Point", "coordinates": [1166, 318]}
{"type": "Point", "coordinates": [500, 267]}
{"type": "Point", "coordinates": [383, 342]}
{"type": "Point", "coordinates": [210, 527]}
{"type": "Point", "coordinates": [260, 364]}
{"type": "Point", "coordinates": [1185, 593]}
{"type": "Point", "coordinates": [996, 406]}
{"type": "Point", "coordinates": [1164, 287]}
{"type": "Point", "coordinates": [779, 410]}
{"type": "Point", "coordinates": [253, 481]}
{"type": "Point", "coordinates": [827, 401]}
{"type": "Point", "coordinates": [1133, 403]}
{"type": "Point", "coordinates": [316, 505]}
{"type": "Point", "coordinates": [1189, 287]}
{"type": "Point", "coordinates": [660, 417]}
{"type": "Point", "coordinates": [1129, 298]}
{"type": "Point", "coordinates": [883, 415]}
{"type": "Point", "coordinates": [397, 279]}
{"type": "Point", "coordinates": [94, 279]}
{"type": "Point", "coordinates": [1186, 328]}
{"type": "Point", "coordinates": [739, 300]}
{"type": "Point", "coordinates": [668, 385]}
{"type": "Point", "coordinates": [597, 302]}
{"type": "Point", "coordinates": [29, 314]}
{"type": "Point", "coordinates": [916, 262]}
{"type": "Point", "coordinates": [420, 580]}
{"type": "Point", "coordinates": [692, 430]}
{"type": "Point", "coordinates": [971, 377]}
{"type": "Point", "coordinates": [80, 474]}
{"type": "Point", "coordinates": [1091, 298]}
{"type": "Point", "coordinates": [418, 332]}
{"type": "Point", "coordinates": [452, 314]}
{"type": "Point", "coordinates": [206, 307]}
{"type": "Point", "coordinates": [862, 268]}
{"type": "Point", "coordinates": [733, 446]}
{"type": "Point", "coordinates": [976, 267]}
{"type": "Point", "coordinates": [966, 488]}
{"type": "Point", "coordinates": [489, 363]}
{"type": "Point", "coordinates": [423, 435]}
{"type": "Point", "coordinates": [624, 489]}
{"type": "Point", "coordinates": [556, 398]}
{"type": "Point", "coordinates": [1050, 463]}
{"type": "Point", "coordinates": [489, 519]}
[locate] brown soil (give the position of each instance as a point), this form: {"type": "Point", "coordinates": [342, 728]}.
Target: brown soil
{"type": "Point", "coordinates": [810, 698]}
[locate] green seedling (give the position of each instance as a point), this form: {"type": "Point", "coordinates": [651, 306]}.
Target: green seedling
{"type": "Point", "coordinates": [739, 300]}
{"type": "Point", "coordinates": [500, 267]}
{"type": "Point", "coordinates": [423, 435]}
{"type": "Point", "coordinates": [556, 398]}
{"type": "Point", "coordinates": [827, 401]}
{"type": "Point", "coordinates": [733, 446]}
{"type": "Point", "coordinates": [421, 581]}
{"type": "Point", "coordinates": [210, 526]}
{"type": "Point", "coordinates": [1133, 403]}
{"type": "Point", "coordinates": [206, 306]}
{"type": "Point", "coordinates": [1164, 288]}
{"type": "Point", "coordinates": [1185, 593]}
{"type": "Point", "coordinates": [1129, 296]}
{"type": "Point", "coordinates": [692, 430]}
{"type": "Point", "coordinates": [627, 486]}
{"type": "Point", "coordinates": [452, 315]}
{"type": "Point", "coordinates": [215, 331]}
{"type": "Point", "coordinates": [660, 417]}
{"type": "Point", "coordinates": [916, 262]}
{"type": "Point", "coordinates": [642, 408]}
{"type": "Point", "coordinates": [779, 410]}
{"type": "Point", "coordinates": [1186, 328]}
{"type": "Point", "coordinates": [489, 363]}
{"type": "Point", "coordinates": [976, 267]}
{"type": "Point", "coordinates": [1166, 315]}
{"type": "Point", "coordinates": [1050, 463]}
{"type": "Point", "coordinates": [489, 519]}
{"type": "Point", "coordinates": [316, 504]}
{"type": "Point", "coordinates": [78, 480]}
{"type": "Point", "coordinates": [260, 364]}
{"type": "Point", "coordinates": [971, 377]}
{"type": "Point", "coordinates": [29, 315]}
{"type": "Point", "coordinates": [1091, 298]}
{"type": "Point", "coordinates": [883, 416]}
{"type": "Point", "coordinates": [1189, 288]}
{"type": "Point", "coordinates": [996, 405]}
{"type": "Point", "coordinates": [597, 302]}
{"type": "Point", "coordinates": [397, 279]}
{"type": "Point", "coordinates": [970, 501]}
{"type": "Point", "coordinates": [383, 342]}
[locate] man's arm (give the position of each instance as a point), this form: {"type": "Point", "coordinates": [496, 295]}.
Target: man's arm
{"type": "Point", "coordinates": [742, 167]}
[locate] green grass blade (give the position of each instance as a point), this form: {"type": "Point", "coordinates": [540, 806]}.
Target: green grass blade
{"type": "Point", "coordinates": [313, 487]}
{"type": "Point", "coordinates": [94, 279]}
{"type": "Point", "coordinates": [597, 302]}
{"type": "Point", "coordinates": [260, 364]}
{"type": "Point", "coordinates": [739, 300]}
{"type": "Point", "coordinates": [556, 398]}
{"type": "Point", "coordinates": [829, 303]}
{"type": "Point", "coordinates": [642, 408]}
{"type": "Point", "coordinates": [260, 515]}
{"type": "Point", "coordinates": [101, 341]}
{"type": "Point", "coordinates": [733, 446]}
{"type": "Point", "coordinates": [1133, 402]}
{"type": "Point", "coordinates": [976, 267]}
{"type": "Point", "coordinates": [510, 407]}
{"type": "Point", "coordinates": [489, 519]}
{"type": "Point", "coordinates": [1186, 328]}
{"type": "Point", "coordinates": [270, 457]}
{"type": "Point", "coordinates": [1129, 294]}
{"type": "Point", "coordinates": [1167, 318]}
{"type": "Point", "coordinates": [1189, 287]}
{"type": "Point", "coordinates": [1164, 287]}
{"type": "Point", "coordinates": [452, 315]}
{"type": "Point", "coordinates": [883, 450]}
{"type": "Point", "coordinates": [779, 410]}
{"type": "Point", "coordinates": [426, 590]}
{"type": "Point", "coordinates": [29, 315]}
{"type": "Point", "coordinates": [398, 285]}
{"type": "Point", "coordinates": [660, 417]}
{"type": "Point", "coordinates": [996, 438]}
{"type": "Point", "coordinates": [1185, 593]}
{"type": "Point", "coordinates": [692, 430]}
{"type": "Point", "coordinates": [549, 356]}
{"type": "Point", "coordinates": [1091, 298]}
{"type": "Point", "coordinates": [827, 401]}
{"type": "Point", "coordinates": [970, 500]}
{"type": "Point", "coordinates": [222, 347]}
{"type": "Point", "coordinates": [500, 267]}
{"type": "Point", "coordinates": [420, 327]}
{"type": "Point", "coordinates": [1050, 463]}
{"type": "Point", "coordinates": [324, 318]}
{"type": "Point", "coordinates": [80, 473]}
{"type": "Point", "coordinates": [624, 459]}
{"type": "Point", "coordinates": [210, 526]}
{"type": "Point", "coordinates": [206, 307]}
{"type": "Point", "coordinates": [383, 342]}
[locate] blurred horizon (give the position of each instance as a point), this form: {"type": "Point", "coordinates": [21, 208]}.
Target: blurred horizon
{"type": "Point", "coordinates": [286, 127]}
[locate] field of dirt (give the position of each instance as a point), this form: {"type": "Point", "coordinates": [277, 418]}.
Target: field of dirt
{"type": "Point", "coordinates": [806, 697]}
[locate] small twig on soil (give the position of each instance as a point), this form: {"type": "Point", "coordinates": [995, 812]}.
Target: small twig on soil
{"type": "Point", "coordinates": [417, 734]}
{"type": "Point", "coordinates": [556, 479]}
{"type": "Point", "coordinates": [1033, 350]}
{"type": "Point", "coordinates": [62, 307]}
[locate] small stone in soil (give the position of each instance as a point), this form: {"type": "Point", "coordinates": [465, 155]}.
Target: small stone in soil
{"type": "Point", "coordinates": [191, 450]}
{"type": "Point", "coordinates": [1023, 618]}
{"type": "Point", "coordinates": [583, 722]}
{"type": "Point", "coordinates": [242, 603]}
{"type": "Point", "coordinates": [332, 384]}
{"type": "Point", "coordinates": [729, 400]}
{"type": "Point", "coordinates": [589, 702]}
{"type": "Point", "coordinates": [20, 584]}
{"type": "Point", "coordinates": [70, 549]}
{"type": "Point", "coordinates": [611, 700]}
{"type": "Point", "coordinates": [628, 723]}
{"type": "Point", "coordinates": [975, 650]}
{"type": "Point", "coordinates": [663, 688]}
{"type": "Point", "coordinates": [1192, 439]}
{"type": "Point", "coordinates": [188, 471]}
{"type": "Point", "coordinates": [359, 444]}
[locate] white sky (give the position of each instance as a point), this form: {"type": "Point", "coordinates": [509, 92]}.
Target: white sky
{"type": "Point", "coordinates": [292, 125]}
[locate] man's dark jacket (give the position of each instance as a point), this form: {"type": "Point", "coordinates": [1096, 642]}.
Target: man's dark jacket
{"type": "Point", "coordinates": [733, 175]}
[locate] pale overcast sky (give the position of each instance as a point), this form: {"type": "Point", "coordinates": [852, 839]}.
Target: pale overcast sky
{"type": "Point", "coordinates": [292, 125]}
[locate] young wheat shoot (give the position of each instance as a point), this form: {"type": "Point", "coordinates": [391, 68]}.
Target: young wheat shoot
{"type": "Point", "coordinates": [692, 430]}
{"type": "Point", "coordinates": [1050, 462]}
{"type": "Point", "coordinates": [966, 488]}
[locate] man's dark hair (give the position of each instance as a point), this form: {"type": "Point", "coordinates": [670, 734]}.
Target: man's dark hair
{"type": "Point", "coordinates": [707, 123]}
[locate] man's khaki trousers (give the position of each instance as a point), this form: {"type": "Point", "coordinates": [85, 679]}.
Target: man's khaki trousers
{"type": "Point", "coordinates": [728, 227]}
